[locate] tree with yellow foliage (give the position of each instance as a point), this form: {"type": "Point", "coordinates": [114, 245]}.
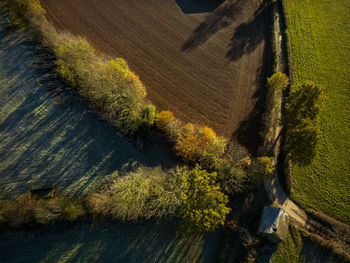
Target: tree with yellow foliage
{"type": "Point", "coordinates": [204, 206]}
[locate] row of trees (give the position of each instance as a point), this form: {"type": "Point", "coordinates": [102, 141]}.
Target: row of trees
{"type": "Point", "coordinates": [192, 194]}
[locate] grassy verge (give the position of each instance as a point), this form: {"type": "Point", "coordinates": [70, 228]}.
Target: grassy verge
{"type": "Point", "coordinates": [303, 247]}
{"type": "Point", "coordinates": [289, 251]}
{"type": "Point", "coordinates": [319, 39]}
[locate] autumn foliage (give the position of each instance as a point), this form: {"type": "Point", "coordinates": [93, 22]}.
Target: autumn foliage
{"type": "Point", "coordinates": [199, 144]}
{"type": "Point", "coordinates": [164, 119]}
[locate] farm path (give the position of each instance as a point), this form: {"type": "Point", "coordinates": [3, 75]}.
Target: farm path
{"type": "Point", "coordinates": [280, 198]}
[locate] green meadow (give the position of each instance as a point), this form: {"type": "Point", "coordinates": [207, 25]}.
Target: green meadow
{"type": "Point", "coordinates": [319, 39]}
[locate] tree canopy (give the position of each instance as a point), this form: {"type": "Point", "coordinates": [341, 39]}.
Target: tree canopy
{"type": "Point", "coordinates": [204, 205]}
{"type": "Point", "coordinates": [278, 81]}
{"type": "Point", "coordinates": [303, 132]}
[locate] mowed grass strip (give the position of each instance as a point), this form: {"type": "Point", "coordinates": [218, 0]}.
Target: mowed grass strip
{"type": "Point", "coordinates": [319, 35]}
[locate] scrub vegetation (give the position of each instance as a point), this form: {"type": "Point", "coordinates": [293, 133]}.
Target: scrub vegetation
{"type": "Point", "coordinates": [319, 41]}
{"type": "Point", "coordinates": [27, 211]}
{"type": "Point", "coordinates": [141, 194]}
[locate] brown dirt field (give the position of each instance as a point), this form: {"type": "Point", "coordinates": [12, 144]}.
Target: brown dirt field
{"type": "Point", "coordinates": [204, 62]}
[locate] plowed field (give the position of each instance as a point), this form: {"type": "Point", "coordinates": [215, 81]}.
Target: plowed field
{"type": "Point", "coordinates": [203, 60]}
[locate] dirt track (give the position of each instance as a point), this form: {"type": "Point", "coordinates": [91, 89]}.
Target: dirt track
{"type": "Point", "coordinates": [203, 65]}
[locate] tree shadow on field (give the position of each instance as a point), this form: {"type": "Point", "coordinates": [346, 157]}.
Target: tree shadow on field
{"type": "Point", "coordinates": [221, 18]}
{"type": "Point", "coordinates": [248, 132]}
{"type": "Point", "coordinates": [48, 137]}
{"type": "Point", "coordinates": [248, 36]}
{"type": "Point", "coordinates": [118, 242]}
{"type": "Point", "coordinates": [198, 6]}
{"type": "Point", "coordinates": [244, 41]}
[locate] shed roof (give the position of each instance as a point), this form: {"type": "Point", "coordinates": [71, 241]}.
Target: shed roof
{"type": "Point", "coordinates": [274, 224]}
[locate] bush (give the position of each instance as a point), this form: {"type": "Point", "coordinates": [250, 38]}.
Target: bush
{"type": "Point", "coordinates": [147, 121]}
{"type": "Point", "coordinates": [143, 193]}
{"type": "Point", "coordinates": [231, 177]}
{"type": "Point", "coordinates": [164, 119]}
{"type": "Point", "coordinates": [26, 211]}
{"type": "Point", "coordinates": [266, 167]}
{"type": "Point", "coordinates": [277, 81]}
{"type": "Point", "coordinates": [204, 205]}
{"type": "Point", "coordinates": [197, 144]}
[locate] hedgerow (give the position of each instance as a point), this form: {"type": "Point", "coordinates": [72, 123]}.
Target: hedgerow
{"type": "Point", "coordinates": [108, 84]}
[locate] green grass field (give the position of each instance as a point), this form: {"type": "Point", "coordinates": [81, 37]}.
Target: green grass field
{"type": "Point", "coordinates": [319, 34]}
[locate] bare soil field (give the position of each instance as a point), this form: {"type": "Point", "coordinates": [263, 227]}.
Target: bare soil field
{"type": "Point", "coordinates": [203, 60]}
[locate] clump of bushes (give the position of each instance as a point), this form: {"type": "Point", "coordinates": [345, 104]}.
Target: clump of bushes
{"type": "Point", "coordinates": [193, 143]}
{"type": "Point", "coordinates": [27, 211]}
{"type": "Point", "coordinates": [109, 85]}
{"type": "Point", "coordinates": [140, 194]}
{"type": "Point", "coordinates": [194, 195]}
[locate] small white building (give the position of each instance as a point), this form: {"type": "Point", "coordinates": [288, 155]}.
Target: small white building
{"type": "Point", "coordinates": [274, 224]}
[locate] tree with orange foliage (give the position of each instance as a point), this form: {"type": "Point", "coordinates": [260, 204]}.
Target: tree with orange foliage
{"type": "Point", "coordinates": [164, 119]}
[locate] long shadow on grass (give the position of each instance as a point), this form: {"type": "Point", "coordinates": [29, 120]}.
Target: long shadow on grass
{"type": "Point", "coordinates": [221, 18]}
{"type": "Point", "coordinates": [128, 242]}
{"type": "Point", "coordinates": [48, 137]}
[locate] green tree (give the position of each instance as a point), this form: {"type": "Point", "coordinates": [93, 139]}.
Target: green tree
{"type": "Point", "coordinates": [278, 81]}
{"type": "Point", "coordinates": [266, 167]}
{"type": "Point", "coordinates": [303, 102]}
{"type": "Point", "coordinates": [301, 111]}
{"type": "Point", "coordinates": [204, 205]}
{"type": "Point", "coordinates": [302, 141]}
